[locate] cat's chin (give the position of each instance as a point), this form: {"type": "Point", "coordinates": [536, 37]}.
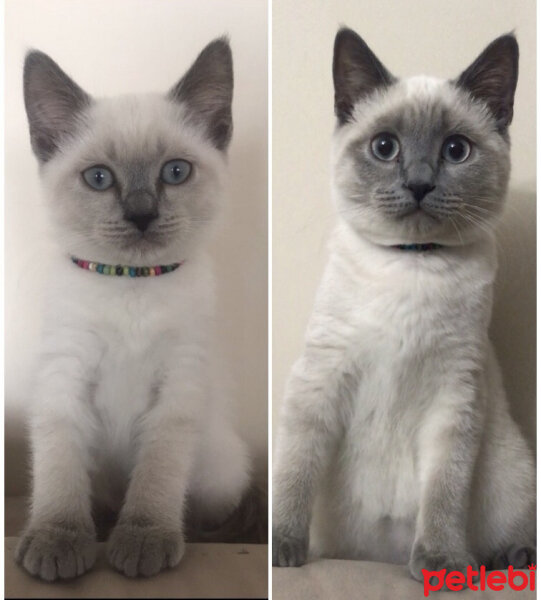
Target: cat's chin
{"type": "Point", "coordinates": [144, 255]}
{"type": "Point", "coordinates": [441, 233]}
{"type": "Point", "coordinates": [143, 250]}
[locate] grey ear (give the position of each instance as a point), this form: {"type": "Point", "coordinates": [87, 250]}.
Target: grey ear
{"type": "Point", "coordinates": [357, 72]}
{"type": "Point", "coordinates": [207, 91]}
{"type": "Point", "coordinates": [492, 78]}
{"type": "Point", "coordinates": [53, 103]}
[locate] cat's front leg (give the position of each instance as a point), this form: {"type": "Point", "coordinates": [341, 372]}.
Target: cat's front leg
{"type": "Point", "coordinates": [148, 536]}
{"type": "Point", "coordinates": [448, 447]}
{"type": "Point", "coordinates": [310, 422]}
{"type": "Point", "coordinates": [59, 540]}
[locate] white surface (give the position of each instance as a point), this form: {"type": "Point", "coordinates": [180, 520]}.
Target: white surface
{"type": "Point", "coordinates": [141, 46]}
{"type": "Point", "coordinates": [415, 37]}
{"type": "Point", "coordinates": [205, 571]}
{"type": "Point", "coordinates": [345, 579]}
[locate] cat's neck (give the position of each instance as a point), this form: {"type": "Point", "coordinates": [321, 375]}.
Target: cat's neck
{"type": "Point", "coordinates": [348, 242]}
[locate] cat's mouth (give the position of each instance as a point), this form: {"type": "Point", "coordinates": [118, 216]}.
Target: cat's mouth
{"type": "Point", "coordinates": [417, 212]}
{"type": "Point", "coordinates": [140, 240]}
{"type": "Point", "coordinates": [129, 238]}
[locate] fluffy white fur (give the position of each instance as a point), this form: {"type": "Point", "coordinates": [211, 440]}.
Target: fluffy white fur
{"type": "Point", "coordinates": [378, 399]}
{"type": "Point", "coordinates": [129, 413]}
{"type": "Point", "coordinates": [395, 441]}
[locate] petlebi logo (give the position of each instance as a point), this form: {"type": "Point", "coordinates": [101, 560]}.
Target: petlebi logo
{"type": "Point", "coordinates": [478, 580]}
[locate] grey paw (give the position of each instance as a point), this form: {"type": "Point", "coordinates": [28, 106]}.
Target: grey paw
{"type": "Point", "coordinates": [56, 552]}
{"type": "Point", "coordinates": [135, 549]}
{"type": "Point", "coordinates": [288, 551]}
{"type": "Point", "coordinates": [519, 557]}
{"type": "Point", "coordinates": [429, 560]}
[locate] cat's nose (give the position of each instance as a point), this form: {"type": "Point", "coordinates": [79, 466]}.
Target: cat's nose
{"type": "Point", "coordinates": [142, 221]}
{"type": "Point", "coordinates": [141, 208]}
{"type": "Point", "coordinates": [420, 189]}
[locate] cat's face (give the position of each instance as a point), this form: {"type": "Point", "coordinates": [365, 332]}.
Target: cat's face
{"type": "Point", "coordinates": [421, 160]}
{"type": "Point", "coordinates": [135, 179]}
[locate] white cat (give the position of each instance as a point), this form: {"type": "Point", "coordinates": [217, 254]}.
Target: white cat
{"type": "Point", "coordinates": [128, 413]}
{"type": "Point", "coordinates": [395, 430]}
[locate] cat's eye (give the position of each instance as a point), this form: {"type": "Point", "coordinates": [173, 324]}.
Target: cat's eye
{"type": "Point", "coordinates": [456, 149]}
{"type": "Point", "coordinates": [99, 178]}
{"type": "Point", "coordinates": [385, 146]}
{"type": "Point", "coordinates": [176, 171]}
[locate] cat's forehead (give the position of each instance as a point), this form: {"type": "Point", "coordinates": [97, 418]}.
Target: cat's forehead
{"type": "Point", "coordinates": [140, 128]}
{"type": "Point", "coordinates": [419, 106]}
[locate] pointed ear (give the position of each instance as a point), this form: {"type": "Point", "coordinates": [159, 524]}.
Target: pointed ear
{"type": "Point", "coordinates": [207, 91]}
{"type": "Point", "coordinates": [53, 103]}
{"type": "Point", "coordinates": [356, 73]}
{"type": "Point", "coordinates": [492, 78]}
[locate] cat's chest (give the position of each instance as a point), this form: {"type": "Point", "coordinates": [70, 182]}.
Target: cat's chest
{"type": "Point", "coordinates": [137, 329]}
{"type": "Point", "coordinates": [405, 322]}
{"type": "Point", "coordinates": [403, 333]}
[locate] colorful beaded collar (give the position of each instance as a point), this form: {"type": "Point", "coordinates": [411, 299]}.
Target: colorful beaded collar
{"type": "Point", "coordinates": [125, 270]}
{"type": "Point", "coordinates": [418, 247]}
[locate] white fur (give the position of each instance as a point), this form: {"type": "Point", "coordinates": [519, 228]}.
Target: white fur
{"type": "Point", "coordinates": [122, 359]}
{"type": "Point", "coordinates": [404, 326]}
{"type": "Point", "coordinates": [397, 386]}
{"type": "Point", "coordinates": [129, 411]}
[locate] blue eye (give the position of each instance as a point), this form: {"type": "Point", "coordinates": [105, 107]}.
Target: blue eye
{"type": "Point", "coordinates": [176, 171]}
{"type": "Point", "coordinates": [99, 178]}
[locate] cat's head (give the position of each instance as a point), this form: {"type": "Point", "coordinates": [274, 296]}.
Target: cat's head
{"type": "Point", "coordinates": [421, 160]}
{"type": "Point", "coordinates": [132, 179]}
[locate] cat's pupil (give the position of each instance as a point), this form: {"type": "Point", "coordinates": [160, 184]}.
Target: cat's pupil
{"type": "Point", "coordinates": [456, 150]}
{"type": "Point", "coordinates": [385, 146]}
{"type": "Point", "coordinates": [99, 177]}
{"type": "Point", "coordinates": [176, 171]}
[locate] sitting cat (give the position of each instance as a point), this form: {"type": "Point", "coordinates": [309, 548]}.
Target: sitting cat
{"type": "Point", "coordinates": [395, 432]}
{"type": "Point", "coordinates": [129, 417]}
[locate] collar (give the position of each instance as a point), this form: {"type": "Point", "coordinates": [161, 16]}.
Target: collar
{"type": "Point", "coordinates": [125, 270]}
{"type": "Point", "coordinates": [418, 247]}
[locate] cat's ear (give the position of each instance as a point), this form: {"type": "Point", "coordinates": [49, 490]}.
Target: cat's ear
{"type": "Point", "coordinates": [207, 91]}
{"type": "Point", "coordinates": [53, 103]}
{"type": "Point", "coordinates": [492, 78]}
{"type": "Point", "coordinates": [357, 72]}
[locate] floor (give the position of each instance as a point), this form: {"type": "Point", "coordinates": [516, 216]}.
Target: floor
{"type": "Point", "coordinates": [206, 571]}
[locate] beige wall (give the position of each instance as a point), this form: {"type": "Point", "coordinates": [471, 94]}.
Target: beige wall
{"type": "Point", "coordinates": [411, 37]}
{"type": "Point", "coordinates": [121, 46]}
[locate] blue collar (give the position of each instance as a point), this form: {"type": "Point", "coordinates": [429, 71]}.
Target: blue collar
{"type": "Point", "coordinates": [418, 247]}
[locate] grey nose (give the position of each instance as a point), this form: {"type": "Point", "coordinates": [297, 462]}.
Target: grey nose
{"type": "Point", "coordinates": [141, 208]}
{"type": "Point", "coordinates": [142, 221]}
{"type": "Point", "coordinates": [420, 189]}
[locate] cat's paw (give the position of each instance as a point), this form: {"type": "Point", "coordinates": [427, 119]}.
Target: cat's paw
{"type": "Point", "coordinates": [137, 549]}
{"type": "Point", "coordinates": [288, 551]}
{"type": "Point", "coordinates": [423, 558]}
{"type": "Point", "coordinates": [56, 552]}
{"type": "Point", "coordinates": [519, 557]}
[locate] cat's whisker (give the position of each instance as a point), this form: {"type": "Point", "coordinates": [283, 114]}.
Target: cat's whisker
{"type": "Point", "coordinates": [460, 239]}
{"type": "Point", "coordinates": [477, 222]}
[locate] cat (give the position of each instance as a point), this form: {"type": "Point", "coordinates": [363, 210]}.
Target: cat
{"type": "Point", "coordinates": [395, 441]}
{"type": "Point", "coordinates": [129, 416]}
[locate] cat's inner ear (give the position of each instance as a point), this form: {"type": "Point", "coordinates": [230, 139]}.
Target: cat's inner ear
{"type": "Point", "coordinates": [357, 72]}
{"type": "Point", "coordinates": [53, 104]}
{"type": "Point", "coordinates": [492, 78]}
{"type": "Point", "coordinates": [206, 90]}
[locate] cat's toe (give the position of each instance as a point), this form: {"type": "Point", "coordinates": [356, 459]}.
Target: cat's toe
{"type": "Point", "coordinates": [288, 551]}
{"type": "Point", "coordinates": [54, 552]}
{"type": "Point", "coordinates": [424, 561]}
{"type": "Point", "coordinates": [144, 550]}
{"type": "Point", "coordinates": [519, 557]}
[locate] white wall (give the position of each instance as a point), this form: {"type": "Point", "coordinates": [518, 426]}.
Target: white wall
{"type": "Point", "coordinates": [410, 37]}
{"type": "Point", "coordinates": [121, 46]}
